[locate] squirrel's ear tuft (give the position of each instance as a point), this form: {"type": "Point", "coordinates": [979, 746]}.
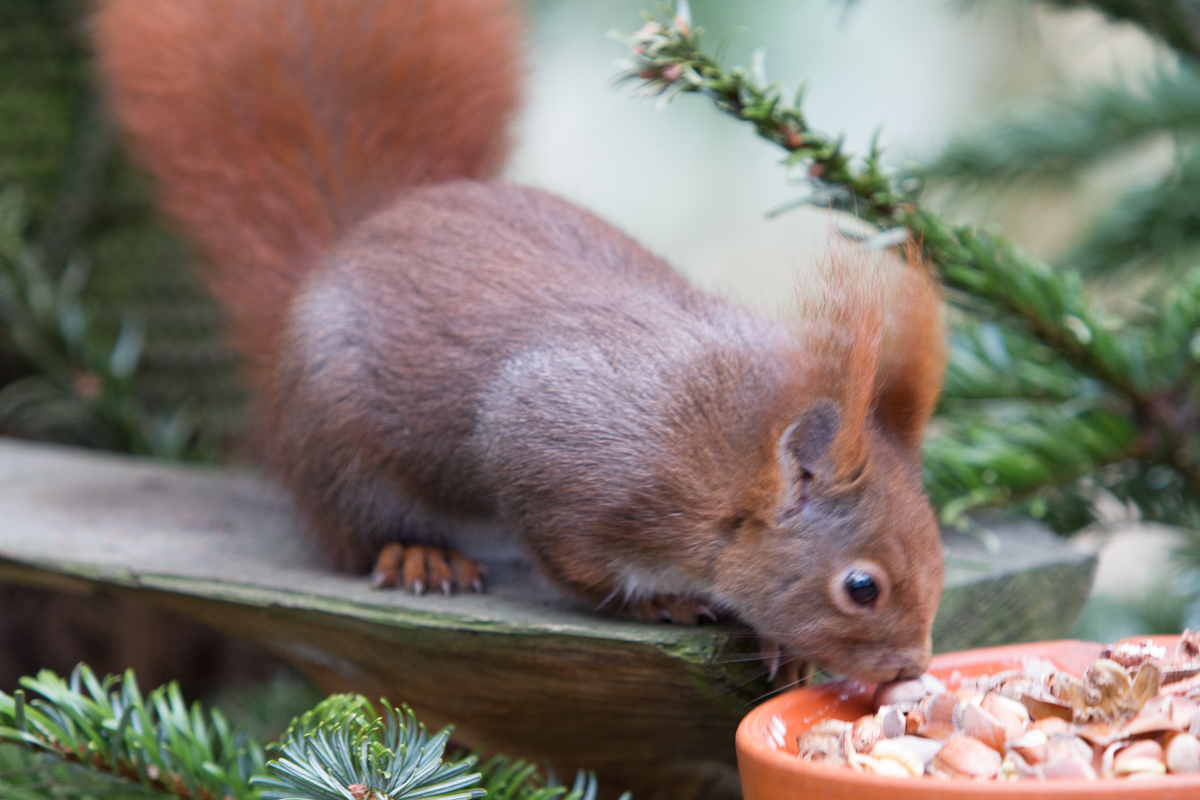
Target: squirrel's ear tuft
{"type": "Point", "coordinates": [910, 372]}
{"type": "Point", "coordinates": [840, 328]}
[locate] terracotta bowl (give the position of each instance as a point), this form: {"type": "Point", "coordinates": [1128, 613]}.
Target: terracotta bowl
{"type": "Point", "coordinates": [771, 770]}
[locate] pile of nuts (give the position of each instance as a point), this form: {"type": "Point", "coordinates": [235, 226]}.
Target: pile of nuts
{"type": "Point", "coordinates": [1133, 714]}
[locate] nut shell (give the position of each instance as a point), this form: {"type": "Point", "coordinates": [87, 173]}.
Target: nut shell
{"type": "Point", "coordinates": [979, 724]}
{"type": "Point", "coordinates": [968, 757]}
{"type": "Point", "coordinates": [891, 722]}
{"type": "Point", "coordinates": [1145, 756]}
{"type": "Point", "coordinates": [893, 692]}
{"type": "Point", "coordinates": [864, 733]}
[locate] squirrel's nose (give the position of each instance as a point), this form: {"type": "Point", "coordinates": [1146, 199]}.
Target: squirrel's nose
{"type": "Point", "coordinates": [912, 662]}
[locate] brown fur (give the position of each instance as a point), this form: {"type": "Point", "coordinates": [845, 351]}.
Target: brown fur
{"type": "Point", "coordinates": [438, 353]}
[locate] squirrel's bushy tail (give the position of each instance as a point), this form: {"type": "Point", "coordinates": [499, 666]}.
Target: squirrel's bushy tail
{"type": "Point", "coordinates": [274, 125]}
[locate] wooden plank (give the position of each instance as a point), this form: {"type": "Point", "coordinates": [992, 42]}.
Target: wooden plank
{"type": "Point", "coordinates": [517, 669]}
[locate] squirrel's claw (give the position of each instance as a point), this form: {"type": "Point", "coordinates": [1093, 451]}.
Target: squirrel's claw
{"type": "Point", "coordinates": [671, 608]}
{"type": "Point", "coordinates": [769, 652]}
{"type": "Point", "coordinates": [387, 567]}
{"type": "Point", "coordinates": [783, 670]}
{"type": "Point", "coordinates": [416, 568]}
{"type": "Point", "coordinates": [466, 573]}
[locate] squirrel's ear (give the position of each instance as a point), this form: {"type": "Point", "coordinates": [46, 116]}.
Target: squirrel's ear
{"type": "Point", "coordinates": [807, 442]}
{"type": "Point", "coordinates": [910, 372]}
{"type": "Point", "coordinates": [817, 451]}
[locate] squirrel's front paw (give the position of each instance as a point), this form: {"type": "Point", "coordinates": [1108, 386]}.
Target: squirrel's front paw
{"type": "Point", "coordinates": [671, 608]}
{"type": "Point", "coordinates": [417, 568]}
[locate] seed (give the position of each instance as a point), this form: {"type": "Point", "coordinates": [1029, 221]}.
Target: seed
{"type": "Point", "coordinates": [1052, 726]}
{"type": "Point", "coordinates": [1145, 685]}
{"type": "Point", "coordinates": [1145, 756]}
{"type": "Point", "coordinates": [1068, 757]}
{"type": "Point", "coordinates": [889, 768]}
{"type": "Point", "coordinates": [1043, 708]}
{"type": "Point", "coordinates": [1183, 709]}
{"type": "Point", "coordinates": [1138, 766]}
{"type": "Point", "coordinates": [823, 742]}
{"type": "Point", "coordinates": [1183, 754]}
{"type": "Point", "coordinates": [889, 750]}
{"type": "Point", "coordinates": [924, 749]}
{"type": "Point", "coordinates": [940, 712]}
{"type": "Point", "coordinates": [1146, 748]}
{"type": "Point", "coordinates": [1068, 769]}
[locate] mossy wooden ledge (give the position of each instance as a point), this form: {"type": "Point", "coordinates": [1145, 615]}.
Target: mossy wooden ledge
{"type": "Point", "coordinates": [515, 669]}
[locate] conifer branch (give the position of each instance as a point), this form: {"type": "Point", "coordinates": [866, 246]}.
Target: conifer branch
{"type": "Point", "coordinates": [342, 750]}
{"type": "Point", "coordinates": [156, 744]}
{"type": "Point", "coordinates": [1157, 225]}
{"type": "Point", "coordinates": [158, 747]}
{"type": "Point", "coordinates": [1136, 411]}
{"type": "Point", "coordinates": [1057, 140]}
{"type": "Point", "coordinates": [987, 271]}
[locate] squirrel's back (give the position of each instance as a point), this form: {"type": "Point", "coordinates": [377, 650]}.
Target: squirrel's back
{"type": "Point", "coordinates": [273, 126]}
{"type": "Point", "coordinates": [489, 352]}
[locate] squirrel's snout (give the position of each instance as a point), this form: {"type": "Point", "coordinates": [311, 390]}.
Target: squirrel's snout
{"type": "Point", "coordinates": [883, 664]}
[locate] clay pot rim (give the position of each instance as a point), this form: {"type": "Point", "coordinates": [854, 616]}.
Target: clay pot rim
{"type": "Point", "coordinates": [758, 754]}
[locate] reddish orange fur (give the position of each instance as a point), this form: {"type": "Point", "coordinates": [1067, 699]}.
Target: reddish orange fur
{"type": "Point", "coordinates": [914, 356]}
{"type": "Point", "coordinates": [841, 326]}
{"type": "Point", "coordinates": [269, 146]}
{"type": "Point", "coordinates": [429, 350]}
{"type": "Point", "coordinates": [875, 344]}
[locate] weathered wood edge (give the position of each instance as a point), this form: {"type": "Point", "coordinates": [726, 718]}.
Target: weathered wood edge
{"type": "Point", "coordinates": [694, 644]}
{"type": "Point", "coordinates": [594, 691]}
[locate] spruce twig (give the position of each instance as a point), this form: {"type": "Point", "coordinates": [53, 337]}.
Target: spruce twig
{"type": "Point", "coordinates": [130, 745]}
{"type": "Point", "coordinates": [986, 268]}
{"type": "Point", "coordinates": [1137, 414]}
{"type": "Point", "coordinates": [1056, 140]}
{"type": "Point", "coordinates": [1155, 225]}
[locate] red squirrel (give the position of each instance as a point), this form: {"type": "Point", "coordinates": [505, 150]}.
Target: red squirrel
{"type": "Point", "coordinates": [429, 347]}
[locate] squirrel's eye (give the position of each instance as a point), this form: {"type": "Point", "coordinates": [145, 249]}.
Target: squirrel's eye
{"type": "Point", "coordinates": [861, 587]}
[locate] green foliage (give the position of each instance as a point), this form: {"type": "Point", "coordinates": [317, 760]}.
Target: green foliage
{"type": "Point", "coordinates": [1048, 398]}
{"type": "Point", "coordinates": [156, 744]}
{"type": "Point", "coordinates": [85, 205]}
{"type": "Point", "coordinates": [1173, 21]}
{"type": "Point", "coordinates": [1157, 223]}
{"type": "Point", "coordinates": [341, 750]}
{"type": "Point", "coordinates": [1057, 140]}
{"type": "Point", "coordinates": [42, 95]}
{"type": "Point", "coordinates": [504, 779]}
{"type": "Point", "coordinates": [85, 737]}
{"type": "Point", "coordinates": [80, 391]}
{"type": "Point", "coordinates": [1154, 225]}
